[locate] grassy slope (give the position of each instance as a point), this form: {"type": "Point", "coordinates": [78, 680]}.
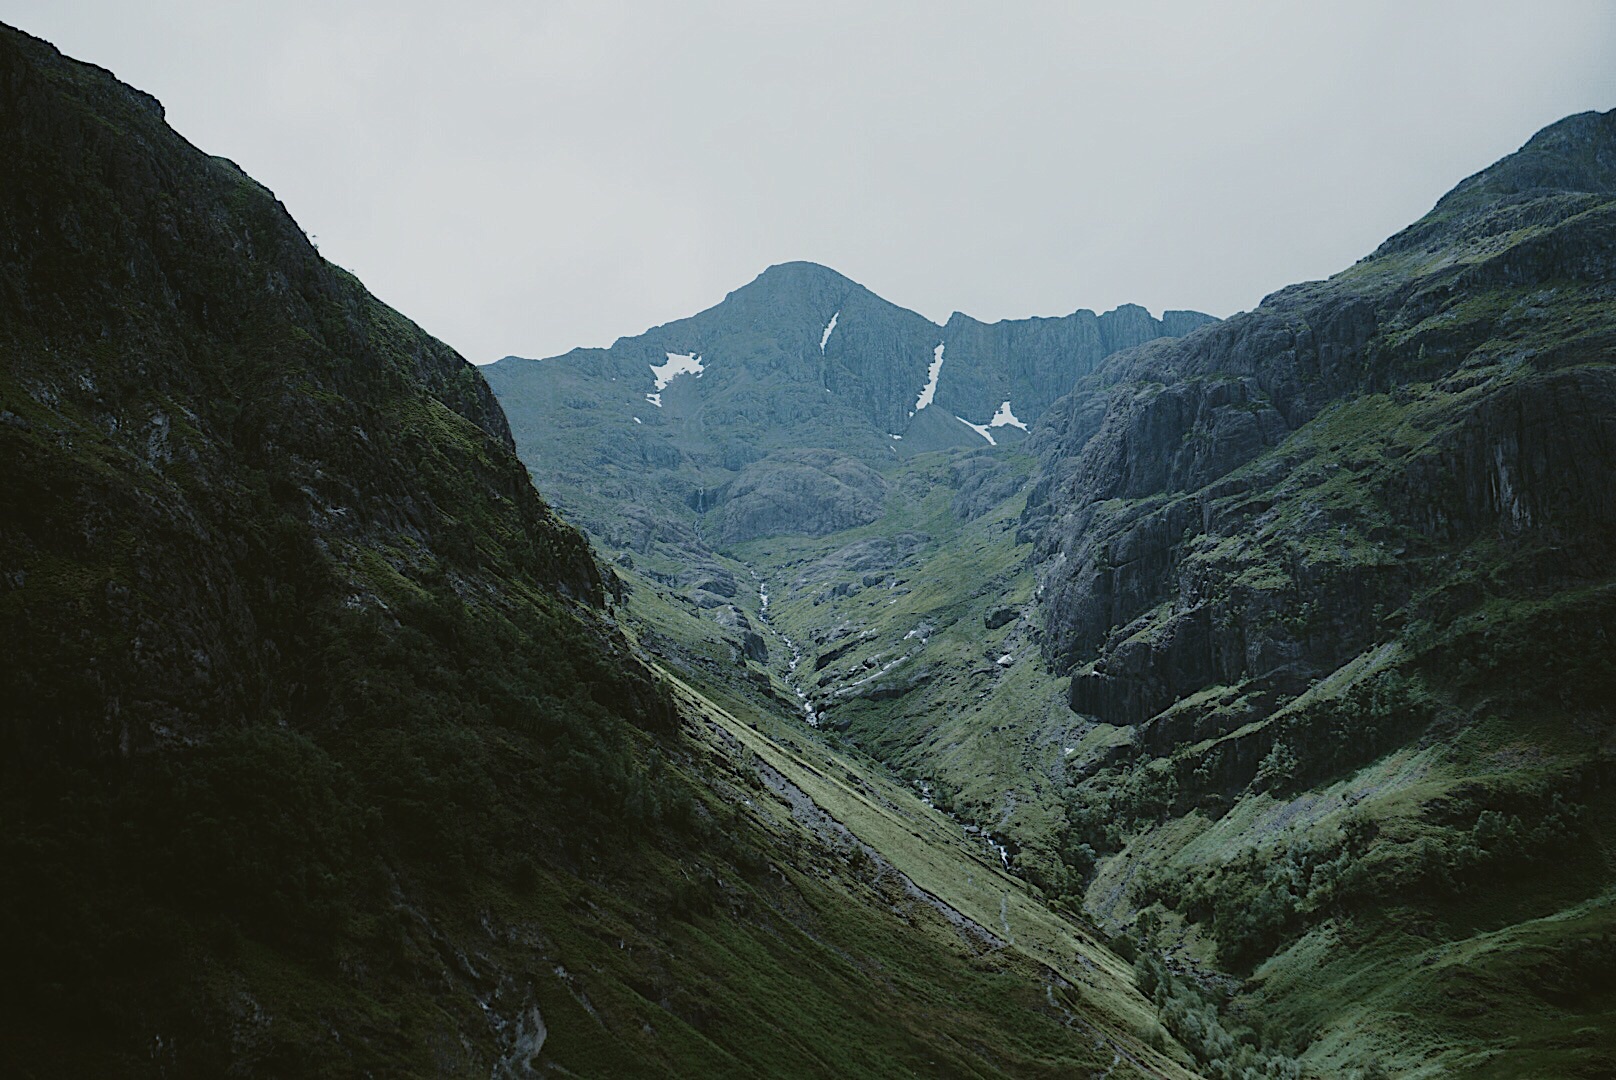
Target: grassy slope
{"type": "Point", "coordinates": [1405, 866]}
{"type": "Point", "coordinates": [894, 837]}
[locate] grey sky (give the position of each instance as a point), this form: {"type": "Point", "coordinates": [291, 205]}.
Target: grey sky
{"type": "Point", "coordinates": [523, 177]}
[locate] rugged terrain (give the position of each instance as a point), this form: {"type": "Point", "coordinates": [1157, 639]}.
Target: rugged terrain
{"type": "Point", "coordinates": [1099, 695]}
{"type": "Point", "coordinates": [324, 750]}
{"type": "Point", "coordinates": [1281, 647]}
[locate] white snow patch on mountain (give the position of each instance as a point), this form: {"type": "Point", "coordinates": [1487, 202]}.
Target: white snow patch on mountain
{"type": "Point", "coordinates": [980, 429]}
{"type": "Point", "coordinates": [1005, 418]}
{"type": "Point", "coordinates": [678, 364]}
{"type": "Point", "coordinates": [929, 391]}
{"type": "Point", "coordinates": [823, 338]}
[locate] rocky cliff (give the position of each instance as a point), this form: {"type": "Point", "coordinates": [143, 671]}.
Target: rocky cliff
{"type": "Point", "coordinates": [1251, 502]}
{"type": "Point", "coordinates": [1334, 582]}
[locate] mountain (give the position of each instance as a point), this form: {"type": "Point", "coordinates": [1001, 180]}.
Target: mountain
{"type": "Point", "coordinates": [703, 421]}
{"type": "Point", "coordinates": [1343, 569]}
{"type": "Point", "coordinates": [1248, 715]}
{"type": "Point", "coordinates": [1278, 646]}
{"type": "Point", "coordinates": [326, 751]}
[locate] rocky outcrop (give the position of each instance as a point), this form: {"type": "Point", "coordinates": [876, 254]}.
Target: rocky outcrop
{"type": "Point", "coordinates": [999, 616]}
{"type": "Point", "coordinates": [751, 644]}
{"type": "Point", "coordinates": [811, 492]}
{"type": "Point", "coordinates": [1248, 505]}
{"type": "Point", "coordinates": [982, 481]}
{"type": "Point", "coordinates": [877, 558]}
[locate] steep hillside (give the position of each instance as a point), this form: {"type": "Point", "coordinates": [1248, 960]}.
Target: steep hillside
{"type": "Point", "coordinates": [1342, 570]}
{"type": "Point", "coordinates": [323, 754]}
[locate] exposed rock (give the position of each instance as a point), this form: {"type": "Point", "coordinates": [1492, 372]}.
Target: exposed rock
{"type": "Point", "coordinates": [830, 656]}
{"type": "Point", "coordinates": [982, 481]}
{"type": "Point", "coordinates": [812, 492]}
{"type": "Point", "coordinates": [1180, 549]}
{"type": "Point", "coordinates": [752, 646]}
{"type": "Point", "coordinates": [876, 557]}
{"type": "Point", "coordinates": [999, 616]}
{"type": "Point", "coordinates": [799, 358]}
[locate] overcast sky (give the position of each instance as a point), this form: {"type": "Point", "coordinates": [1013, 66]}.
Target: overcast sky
{"type": "Point", "coordinates": [523, 177]}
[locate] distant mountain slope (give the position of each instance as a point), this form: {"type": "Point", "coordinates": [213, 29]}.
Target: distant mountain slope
{"type": "Point", "coordinates": [681, 418]}
{"type": "Point", "coordinates": [322, 753]}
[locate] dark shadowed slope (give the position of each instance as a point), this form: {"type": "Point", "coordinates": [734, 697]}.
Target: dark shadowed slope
{"type": "Point", "coordinates": [322, 755]}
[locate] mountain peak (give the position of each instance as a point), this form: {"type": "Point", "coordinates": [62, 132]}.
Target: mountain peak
{"type": "Point", "coordinates": [1572, 157]}
{"type": "Point", "coordinates": [797, 278]}
{"type": "Point", "coordinates": [1577, 154]}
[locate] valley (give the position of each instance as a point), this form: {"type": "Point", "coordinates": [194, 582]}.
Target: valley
{"type": "Point", "coordinates": [805, 687]}
{"type": "Point", "coordinates": [1276, 648]}
{"type": "Point", "coordinates": [327, 751]}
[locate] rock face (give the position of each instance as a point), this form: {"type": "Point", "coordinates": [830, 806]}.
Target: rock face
{"type": "Point", "coordinates": [1033, 362]}
{"type": "Point", "coordinates": [811, 492]}
{"type": "Point", "coordinates": [1247, 505]}
{"type": "Point", "coordinates": [1335, 581]}
{"type": "Point", "coordinates": [999, 616]}
{"type": "Point", "coordinates": [751, 643]}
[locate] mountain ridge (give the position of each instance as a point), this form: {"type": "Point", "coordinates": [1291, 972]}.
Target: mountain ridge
{"type": "Point", "coordinates": [1251, 715]}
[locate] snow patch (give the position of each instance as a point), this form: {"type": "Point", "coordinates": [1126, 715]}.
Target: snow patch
{"type": "Point", "coordinates": [929, 391]}
{"type": "Point", "coordinates": [1005, 418]}
{"type": "Point", "coordinates": [637, 420]}
{"type": "Point", "coordinates": [655, 399]}
{"type": "Point", "coordinates": [980, 429]}
{"type": "Point", "coordinates": [823, 338]}
{"type": "Point", "coordinates": [894, 436]}
{"type": "Point", "coordinates": [678, 364]}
